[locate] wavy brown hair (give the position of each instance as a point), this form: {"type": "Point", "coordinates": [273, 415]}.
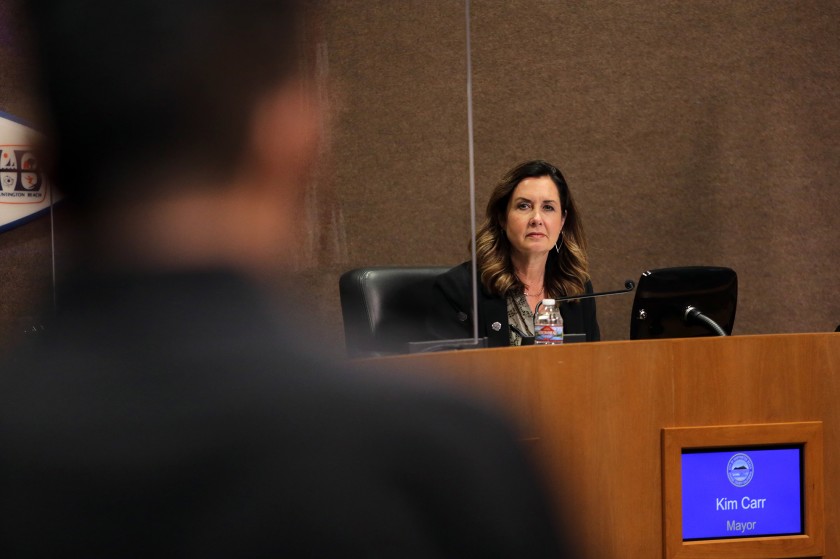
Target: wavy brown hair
{"type": "Point", "coordinates": [566, 272]}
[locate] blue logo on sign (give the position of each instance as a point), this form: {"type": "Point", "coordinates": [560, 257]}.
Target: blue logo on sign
{"type": "Point", "coordinates": [740, 470]}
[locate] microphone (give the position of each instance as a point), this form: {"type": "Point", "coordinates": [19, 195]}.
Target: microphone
{"type": "Point", "coordinates": [629, 285]}
{"type": "Point", "coordinates": [693, 313]}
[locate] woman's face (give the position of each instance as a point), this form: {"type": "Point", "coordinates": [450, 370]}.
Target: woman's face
{"type": "Point", "coordinates": [534, 216]}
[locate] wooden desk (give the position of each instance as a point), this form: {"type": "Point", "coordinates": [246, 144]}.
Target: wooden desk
{"type": "Point", "coordinates": [595, 413]}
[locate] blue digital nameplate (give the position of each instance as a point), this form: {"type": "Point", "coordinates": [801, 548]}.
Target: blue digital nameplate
{"type": "Point", "coordinates": [742, 493]}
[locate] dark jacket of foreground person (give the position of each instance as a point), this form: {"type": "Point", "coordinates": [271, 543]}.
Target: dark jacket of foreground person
{"type": "Point", "coordinates": [170, 415]}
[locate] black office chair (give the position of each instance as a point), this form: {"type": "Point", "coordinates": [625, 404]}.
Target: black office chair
{"type": "Point", "coordinates": [385, 308]}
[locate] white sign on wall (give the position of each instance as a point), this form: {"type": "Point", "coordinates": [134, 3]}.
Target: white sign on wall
{"type": "Point", "coordinates": [24, 191]}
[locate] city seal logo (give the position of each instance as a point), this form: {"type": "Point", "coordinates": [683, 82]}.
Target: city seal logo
{"type": "Point", "coordinates": [24, 192]}
{"type": "Point", "coordinates": [740, 470]}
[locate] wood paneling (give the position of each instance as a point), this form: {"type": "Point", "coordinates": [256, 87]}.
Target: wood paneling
{"type": "Point", "coordinates": [597, 412]}
{"type": "Point", "coordinates": [807, 434]}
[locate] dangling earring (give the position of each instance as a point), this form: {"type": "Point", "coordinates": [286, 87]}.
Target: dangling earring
{"type": "Point", "coordinates": [560, 240]}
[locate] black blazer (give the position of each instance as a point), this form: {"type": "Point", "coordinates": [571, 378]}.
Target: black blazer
{"type": "Point", "coordinates": [453, 309]}
{"type": "Point", "coordinates": [176, 415]}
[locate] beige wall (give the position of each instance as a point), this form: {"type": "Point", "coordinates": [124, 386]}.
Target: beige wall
{"type": "Point", "coordinates": [701, 132]}
{"type": "Point", "coordinates": [690, 133]}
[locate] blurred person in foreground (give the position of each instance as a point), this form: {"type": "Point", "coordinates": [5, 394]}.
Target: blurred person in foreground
{"type": "Point", "coordinates": [531, 246]}
{"type": "Point", "coordinates": [167, 409]}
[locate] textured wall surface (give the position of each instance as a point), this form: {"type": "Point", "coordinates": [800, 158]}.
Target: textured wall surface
{"type": "Point", "coordinates": [701, 132]}
{"type": "Point", "coordinates": [690, 132]}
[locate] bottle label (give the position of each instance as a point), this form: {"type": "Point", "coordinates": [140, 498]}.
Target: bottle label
{"type": "Point", "coordinates": [549, 335]}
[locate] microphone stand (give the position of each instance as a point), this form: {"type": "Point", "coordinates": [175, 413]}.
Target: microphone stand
{"type": "Point", "coordinates": [629, 285]}
{"type": "Point", "coordinates": [693, 313]}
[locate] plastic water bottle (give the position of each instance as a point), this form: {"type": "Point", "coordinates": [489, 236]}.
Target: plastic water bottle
{"type": "Point", "coordinates": [548, 323]}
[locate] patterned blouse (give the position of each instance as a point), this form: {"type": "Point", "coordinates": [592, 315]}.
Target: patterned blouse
{"type": "Point", "coordinates": [521, 316]}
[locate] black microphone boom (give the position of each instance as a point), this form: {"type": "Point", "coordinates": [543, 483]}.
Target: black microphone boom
{"type": "Point", "coordinates": [629, 285]}
{"type": "Point", "coordinates": [693, 313]}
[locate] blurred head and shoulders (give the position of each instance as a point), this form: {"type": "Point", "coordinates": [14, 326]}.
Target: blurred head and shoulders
{"type": "Point", "coordinates": [165, 412]}
{"type": "Point", "coordinates": [182, 133]}
{"type": "Point", "coordinates": [182, 136]}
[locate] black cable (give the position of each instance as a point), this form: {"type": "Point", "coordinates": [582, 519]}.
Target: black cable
{"type": "Point", "coordinates": [693, 313]}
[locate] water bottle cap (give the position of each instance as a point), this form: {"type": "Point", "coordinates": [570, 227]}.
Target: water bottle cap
{"type": "Point", "coordinates": [548, 302]}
